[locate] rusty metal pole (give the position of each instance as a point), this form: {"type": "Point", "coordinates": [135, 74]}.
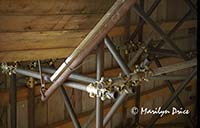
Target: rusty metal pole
{"type": "Point", "coordinates": [31, 103]}
{"type": "Point", "coordinates": [115, 13]}
{"type": "Point", "coordinates": [100, 68]}
{"type": "Point", "coordinates": [126, 57]}
{"type": "Point", "coordinates": [13, 102]}
{"type": "Point", "coordinates": [137, 95]}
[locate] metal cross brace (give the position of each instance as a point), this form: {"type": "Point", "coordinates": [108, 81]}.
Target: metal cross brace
{"type": "Point", "coordinates": [158, 30]}
{"type": "Point", "coordinates": [191, 5]}
{"type": "Point", "coordinates": [173, 97]}
{"type": "Point", "coordinates": [172, 90]}
{"type": "Point", "coordinates": [149, 12]}
{"type": "Point", "coordinates": [175, 28]}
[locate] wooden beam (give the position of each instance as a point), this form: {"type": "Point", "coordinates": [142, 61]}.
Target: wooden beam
{"type": "Point", "coordinates": [34, 54]}
{"type": "Point", "coordinates": [40, 40]}
{"type": "Point", "coordinates": [23, 46]}
{"type": "Point", "coordinates": [48, 22]}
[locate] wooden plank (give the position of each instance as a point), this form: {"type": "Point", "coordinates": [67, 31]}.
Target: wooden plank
{"type": "Point", "coordinates": [36, 7]}
{"type": "Point", "coordinates": [174, 13]}
{"type": "Point", "coordinates": [55, 108]}
{"type": "Point", "coordinates": [40, 113]}
{"type": "Point", "coordinates": [3, 117]}
{"type": "Point", "coordinates": [53, 44]}
{"type": "Point", "coordinates": [35, 54]}
{"type": "Point", "coordinates": [22, 114]}
{"type": "Point", "coordinates": [40, 40]}
{"type": "Point", "coordinates": [48, 22]}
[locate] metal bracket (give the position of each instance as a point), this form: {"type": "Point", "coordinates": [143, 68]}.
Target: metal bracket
{"type": "Point", "coordinates": [8, 69]}
{"type": "Point", "coordinates": [111, 88]}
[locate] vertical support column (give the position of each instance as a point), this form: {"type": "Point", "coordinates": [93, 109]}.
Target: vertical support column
{"type": "Point", "coordinates": [137, 95]}
{"type": "Point", "coordinates": [140, 32]}
{"type": "Point", "coordinates": [137, 104]}
{"type": "Point", "coordinates": [31, 103]}
{"type": "Point", "coordinates": [13, 103]}
{"type": "Point", "coordinates": [126, 57]}
{"type": "Point", "coordinates": [99, 103]}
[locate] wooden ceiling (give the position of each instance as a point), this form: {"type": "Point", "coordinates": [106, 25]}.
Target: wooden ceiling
{"type": "Point", "coordinates": [44, 29]}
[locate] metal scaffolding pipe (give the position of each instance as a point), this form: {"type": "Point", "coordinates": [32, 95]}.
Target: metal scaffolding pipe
{"type": "Point", "coordinates": [191, 5]}
{"type": "Point", "coordinates": [140, 51]}
{"type": "Point", "coordinates": [69, 107]}
{"type": "Point", "coordinates": [138, 88]}
{"type": "Point", "coordinates": [175, 28]}
{"type": "Point", "coordinates": [99, 103]}
{"type": "Point", "coordinates": [172, 90]}
{"type": "Point", "coordinates": [168, 77]}
{"type": "Point", "coordinates": [114, 108]}
{"type": "Point", "coordinates": [125, 70]}
{"type": "Point", "coordinates": [175, 67]}
{"type": "Point", "coordinates": [116, 55]}
{"type": "Point", "coordinates": [172, 98]}
{"type": "Point", "coordinates": [164, 52]}
{"type": "Point", "coordinates": [46, 77]}
{"type": "Point", "coordinates": [90, 118]}
{"type": "Point", "coordinates": [31, 103]}
{"type": "Point", "coordinates": [73, 76]}
{"type": "Point", "coordinates": [157, 29]}
{"type": "Point", "coordinates": [115, 13]}
{"type": "Point", "coordinates": [141, 23]}
{"type": "Point", "coordinates": [76, 85]}
{"type": "Point", "coordinates": [13, 100]}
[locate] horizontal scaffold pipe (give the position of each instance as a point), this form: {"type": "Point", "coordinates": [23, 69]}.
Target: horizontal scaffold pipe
{"type": "Point", "coordinates": [73, 76]}
{"type": "Point", "coordinates": [46, 77]}
{"type": "Point", "coordinates": [87, 88]}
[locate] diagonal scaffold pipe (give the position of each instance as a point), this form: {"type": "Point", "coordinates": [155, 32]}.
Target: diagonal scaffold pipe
{"type": "Point", "coordinates": [107, 22]}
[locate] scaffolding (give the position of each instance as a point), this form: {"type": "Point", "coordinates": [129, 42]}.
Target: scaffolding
{"type": "Point", "coordinates": [98, 88]}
